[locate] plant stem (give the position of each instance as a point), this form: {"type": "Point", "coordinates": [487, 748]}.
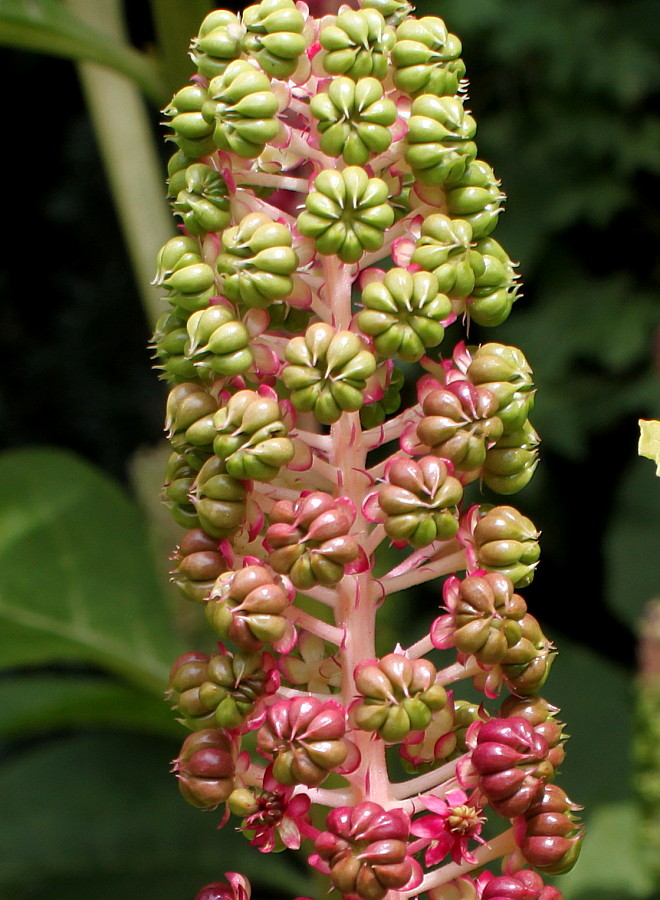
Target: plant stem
{"type": "Point", "coordinates": [127, 147]}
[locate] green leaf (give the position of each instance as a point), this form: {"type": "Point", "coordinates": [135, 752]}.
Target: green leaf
{"type": "Point", "coordinates": [97, 809]}
{"type": "Point", "coordinates": [46, 26]}
{"type": "Point", "coordinates": [598, 717]}
{"type": "Point", "coordinates": [33, 703]}
{"type": "Point", "coordinates": [76, 576]}
{"type": "Point", "coordinates": [631, 548]}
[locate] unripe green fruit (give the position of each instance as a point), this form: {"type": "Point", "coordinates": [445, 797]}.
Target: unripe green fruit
{"type": "Point", "coordinates": [404, 314]}
{"type": "Point", "coordinates": [353, 119]}
{"type": "Point", "coordinates": [347, 213]}
{"type": "Point", "coordinates": [440, 133]}
{"type": "Point", "coordinates": [327, 371]}
{"type": "Point", "coordinates": [356, 44]}
{"type": "Point", "coordinates": [426, 58]}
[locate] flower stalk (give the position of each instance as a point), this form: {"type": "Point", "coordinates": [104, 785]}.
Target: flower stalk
{"type": "Point", "coordinates": [307, 151]}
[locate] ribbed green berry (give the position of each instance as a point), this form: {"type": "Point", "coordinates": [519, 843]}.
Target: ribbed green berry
{"type": "Point", "coordinates": [257, 261]}
{"type": "Point", "coordinates": [242, 110]}
{"type": "Point", "coordinates": [375, 413]}
{"type": "Point", "coordinates": [427, 58]}
{"type": "Point", "coordinates": [274, 36]}
{"type": "Point", "coordinates": [357, 44]}
{"type": "Point", "coordinates": [217, 44]}
{"type": "Point", "coordinates": [419, 501]}
{"type": "Point", "coordinates": [444, 247]}
{"type": "Point", "coordinates": [219, 500]}
{"type": "Point", "coordinates": [251, 437]}
{"type": "Point", "coordinates": [496, 283]}
{"type": "Point", "coordinates": [507, 542]}
{"type": "Point", "coordinates": [393, 11]}
{"type": "Point", "coordinates": [179, 480]}
{"type": "Point", "coordinates": [475, 196]}
{"type": "Point", "coordinates": [219, 344]}
{"type": "Point", "coordinates": [347, 213]}
{"type": "Point", "coordinates": [203, 203]}
{"type": "Point", "coordinates": [439, 140]}
{"type": "Point", "coordinates": [170, 342]}
{"type": "Point", "coordinates": [327, 371]}
{"type": "Point", "coordinates": [192, 131]}
{"type": "Point", "coordinates": [510, 464]}
{"type": "Point", "coordinates": [460, 422]}
{"type": "Point", "coordinates": [176, 170]}
{"type": "Point", "coordinates": [404, 313]}
{"type": "Point", "coordinates": [353, 119]}
{"type": "Point", "coordinates": [175, 254]}
{"type": "Point", "coordinates": [507, 374]}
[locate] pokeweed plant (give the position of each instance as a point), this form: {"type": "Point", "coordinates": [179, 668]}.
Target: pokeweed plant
{"type": "Point", "coordinates": [335, 220]}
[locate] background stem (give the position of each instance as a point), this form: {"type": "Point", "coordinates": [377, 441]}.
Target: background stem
{"type": "Point", "coordinates": [127, 147]}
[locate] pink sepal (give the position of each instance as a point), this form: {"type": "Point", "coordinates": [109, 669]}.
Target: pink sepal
{"type": "Point", "coordinates": [303, 456]}
{"type": "Point", "coordinates": [352, 760]}
{"type": "Point", "coordinates": [288, 640]}
{"type": "Point", "coordinates": [408, 441]}
{"type": "Point", "coordinates": [402, 251]}
{"type": "Point", "coordinates": [370, 275]}
{"type": "Point", "coordinates": [466, 774]}
{"type": "Point", "coordinates": [359, 565]}
{"type": "Point", "coordinates": [371, 509]}
{"type": "Point", "coordinates": [266, 361]}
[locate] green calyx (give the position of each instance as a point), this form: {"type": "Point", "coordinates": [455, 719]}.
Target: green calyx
{"type": "Point", "coordinates": [327, 372]}
{"type": "Point", "coordinates": [427, 58]}
{"type": "Point", "coordinates": [440, 145]}
{"type": "Point", "coordinates": [347, 213]}
{"type": "Point", "coordinates": [354, 119]}
{"type": "Point", "coordinates": [203, 202]}
{"type": "Point", "coordinates": [251, 438]}
{"type": "Point", "coordinates": [274, 36]}
{"type": "Point", "coordinates": [241, 110]}
{"type": "Point", "coordinates": [257, 261]}
{"type": "Point", "coordinates": [357, 44]}
{"type": "Point", "coordinates": [404, 313]}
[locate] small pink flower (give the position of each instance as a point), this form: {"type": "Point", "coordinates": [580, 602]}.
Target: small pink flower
{"type": "Point", "coordinates": [279, 815]}
{"type": "Point", "coordinates": [453, 822]}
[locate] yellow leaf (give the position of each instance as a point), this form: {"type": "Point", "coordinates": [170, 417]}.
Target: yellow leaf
{"type": "Point", "coordinates": [649, 441]}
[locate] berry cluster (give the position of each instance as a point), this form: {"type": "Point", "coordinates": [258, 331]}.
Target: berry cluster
{"type": "Point", "coordinates": [335, 221]}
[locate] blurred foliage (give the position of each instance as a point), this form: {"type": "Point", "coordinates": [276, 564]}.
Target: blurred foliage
{"type": "Point", "coordinates": [567, 96]}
